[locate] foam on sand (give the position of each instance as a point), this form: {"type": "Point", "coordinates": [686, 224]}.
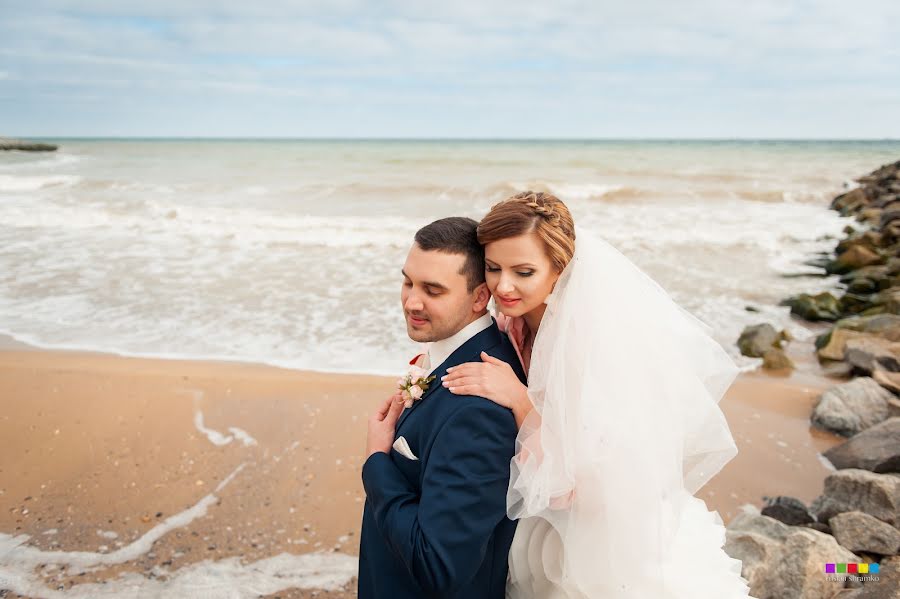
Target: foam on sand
{"type": "Point", "coordinates": [25, 569]}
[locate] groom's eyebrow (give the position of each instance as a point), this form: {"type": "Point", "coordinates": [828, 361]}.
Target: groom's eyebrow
{"type": "Point", "coordinates": [440, 286]}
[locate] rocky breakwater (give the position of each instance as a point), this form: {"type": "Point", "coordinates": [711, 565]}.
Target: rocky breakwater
{"type": "Point", "coordinates": [786, 547]}
{"type": "Point", "coordinates": [25, 146]}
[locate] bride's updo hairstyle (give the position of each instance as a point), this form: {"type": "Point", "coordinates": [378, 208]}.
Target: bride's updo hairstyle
{"type": "Point", "coordinates": [537, 212]}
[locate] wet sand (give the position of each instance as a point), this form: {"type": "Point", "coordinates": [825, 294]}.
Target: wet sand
{"type": "Point", "coordinates": [121, 476]}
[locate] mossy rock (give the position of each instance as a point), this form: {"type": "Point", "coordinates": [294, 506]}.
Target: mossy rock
{"type": "Point", "coordinates": [823, 306]}
{"type": "Point", "coordinates": [757, 339]}
{"type": "Point", "coordinates": [776, 359]}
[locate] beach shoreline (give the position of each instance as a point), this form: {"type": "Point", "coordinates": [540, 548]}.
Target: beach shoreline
{"type": "Point", "coordinates": [102, 451]}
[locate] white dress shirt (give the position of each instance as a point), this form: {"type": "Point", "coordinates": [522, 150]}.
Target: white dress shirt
{"type": "Point", "coordinates": [438, 351]}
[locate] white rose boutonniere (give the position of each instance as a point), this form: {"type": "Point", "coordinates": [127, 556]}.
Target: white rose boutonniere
{"type": "Point", "coordinates": [413, 385]}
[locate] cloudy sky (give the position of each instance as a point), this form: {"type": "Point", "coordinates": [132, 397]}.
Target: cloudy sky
{"type": "Point", "coordinates": [468, 68]}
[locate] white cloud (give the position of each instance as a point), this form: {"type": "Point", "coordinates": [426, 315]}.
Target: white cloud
{"type": "Point", "coordinates": [528, 57]}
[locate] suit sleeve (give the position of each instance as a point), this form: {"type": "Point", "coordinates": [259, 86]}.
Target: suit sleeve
{"type": "Point", "coordinates": [442, 536]}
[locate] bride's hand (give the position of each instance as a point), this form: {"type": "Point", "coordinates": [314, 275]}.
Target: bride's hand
{"type": "Point", "coordinates": [492, 379]}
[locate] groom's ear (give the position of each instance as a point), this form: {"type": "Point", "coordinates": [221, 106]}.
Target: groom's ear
{"type": "Point", "coordinates": [482, 297]}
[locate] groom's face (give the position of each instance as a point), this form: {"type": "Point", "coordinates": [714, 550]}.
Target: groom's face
{"type": "Point", "coordinates": [435, 296]}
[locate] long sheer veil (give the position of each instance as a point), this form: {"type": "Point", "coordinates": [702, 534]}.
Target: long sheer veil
{"type": "Point", "coordinates": [626, 427]}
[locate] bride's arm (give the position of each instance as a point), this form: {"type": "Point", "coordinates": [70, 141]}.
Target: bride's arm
{"type": "Point", "coordinates": [495, 380]}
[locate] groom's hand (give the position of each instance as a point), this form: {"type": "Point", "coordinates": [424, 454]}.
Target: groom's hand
{"type": "Point", "coordinates": [382, 425]}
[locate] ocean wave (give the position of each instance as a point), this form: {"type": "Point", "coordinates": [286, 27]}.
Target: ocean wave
{"type": "Point", "coordinates": [214, 224]}
{"type": "Point", "coordinates": [36, 182]}
{"type": "Point", "coordinates": [42, 160]}
{"type": "Point", "coordinates": [567, 192]}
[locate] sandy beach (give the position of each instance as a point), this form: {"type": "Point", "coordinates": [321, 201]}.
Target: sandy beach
{"type": "Point", "coordinates": [126, 475]}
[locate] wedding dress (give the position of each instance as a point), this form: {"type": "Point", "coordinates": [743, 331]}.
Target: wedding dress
{"type": "Point", "coordinates": [626, 427]}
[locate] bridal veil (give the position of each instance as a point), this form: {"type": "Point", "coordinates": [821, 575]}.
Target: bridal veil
{"type": "Point", "coordinates": [626, 427]}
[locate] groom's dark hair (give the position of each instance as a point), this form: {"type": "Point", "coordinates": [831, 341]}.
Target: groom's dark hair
{"type": "Point", "coordinates": [456, 235]}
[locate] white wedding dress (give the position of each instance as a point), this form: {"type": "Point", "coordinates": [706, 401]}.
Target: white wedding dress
{"type": "Point", "coordinates": [626, 427]}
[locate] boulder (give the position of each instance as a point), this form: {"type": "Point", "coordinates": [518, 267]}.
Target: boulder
{"type": "Point", "coordinates": [783, 561]}
{"type": "Point", "coordinates": [757, 339]}
{"type": "Point", "coordinates": [837, 341]}
{"type": "Point", "coordinates": [787, 510]}
{"type": "Point", "coordinates": [837, 369]}
{"type": "Point", "coordinates": [856, 256]}
{"type": "Point", "coordinates": [850, 202]}
{"type": "Point", "coordinates": [876, 277]}
{"type": "Point", "coordinates": [869, 353]}
{"type": "Point", "coordinates": [888, 380]}
{"type": "Point", "coordinates": [888, 585]}
{"type": "Point", "coordinates": [881, 325]}
{"type": "Point", "coordinates": [776, 359]}
{"type": "Point", "coordinates": [855, 490]}
{"type": "Point", "coordinates": [889, 299]}
{"type": "Point", "coordinates": [858, 531]}
{"type": "Point", "coordinates": [876, 449]}
{"type": "Point", "coordinates": [822, 306]}
{"type": "Point", "coordinates": [851, 407]}
{"type": "Point", "coordinates": [852, 303]}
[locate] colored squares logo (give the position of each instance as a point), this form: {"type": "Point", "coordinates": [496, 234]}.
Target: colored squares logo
{"type": "Point", "coordinates": [858, 568]}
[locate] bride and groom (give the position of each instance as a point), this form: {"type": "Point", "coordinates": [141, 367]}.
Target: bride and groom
{"type": "Point", "coordinates": [552, 451]}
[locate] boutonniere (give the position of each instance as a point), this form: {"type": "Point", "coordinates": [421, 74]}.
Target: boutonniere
{"type": "Point", "coordinates": [413, 385]}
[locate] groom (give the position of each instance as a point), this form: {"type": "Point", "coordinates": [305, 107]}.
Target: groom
{"type": "Point", "coordinates": [434, 522]}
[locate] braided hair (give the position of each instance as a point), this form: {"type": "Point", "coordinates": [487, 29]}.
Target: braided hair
{"type": "Point", "coordinates": [533, 211]}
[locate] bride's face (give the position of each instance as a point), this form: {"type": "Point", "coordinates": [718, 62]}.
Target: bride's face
{"type": "Point", "coordinates": [519, 273]}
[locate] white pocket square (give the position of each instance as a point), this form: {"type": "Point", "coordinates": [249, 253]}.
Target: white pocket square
{"type": "Point", "coordinates": [402, 447]}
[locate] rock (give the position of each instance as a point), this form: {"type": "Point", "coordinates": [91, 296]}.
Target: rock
{"type": "Point", "coordinates": [855, 490]}
{"type": "Point", "coordinates": [876, 449]}
{"type": "Point", "coordinates": [761, 525]}
{"type": "Point", "coordinates": [850, 202]}
{"type": "Point", "coordinates": [862, 285]}
{"type": "Point", "coordinates": [857, 256]}
{"type": "Point", "coordinates": [837, 369]}
{"type": "Point", "coordinates": [857, 532]}
{"type": "Point", "coordinates": [889, 299]}
{"type": "Point", "coordinates": [888, 380]}
{"type": "Point", "coordinates": [872, 353]}
{"type": "Point", "coordinates": [868, 279]}
{"type": "Point", "coordinates": [888, 585]}
{"type": "Point", "coordinates": [822, 306]}
{"type": "Point", "coordinates": [776, 359]}
{"type": "Point", "coordinates": [787, 510]}
{"type": "Point", "coordinates": [837, 341]}
{"type": "Point", "coordinates": [851, 303]}
{"type": "Point", "coordinates": [886, 326]}
{"type": "Point", "coordinates": [755, 340]}
{"type": "Point", "coordinates": [783, 561]}
{"type": "Point", "coordinates": [851, 407]}
{"type": "Point", "coordinates": [869, 240]}
{"type": "Point", "coordinates": [7, 143]}
{"type": "Point", "coordinates": [820, 526]}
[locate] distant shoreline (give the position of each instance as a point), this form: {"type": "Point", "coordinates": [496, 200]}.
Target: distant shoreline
{"type": "Point", "coordinates": [477, 139]}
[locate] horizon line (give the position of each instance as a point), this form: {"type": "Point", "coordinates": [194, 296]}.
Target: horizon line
{"type": "Point", "coordinates": [432, 139]}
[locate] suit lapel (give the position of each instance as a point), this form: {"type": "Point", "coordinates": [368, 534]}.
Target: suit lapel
{"type": "Point", "coordinates": [467, 352]}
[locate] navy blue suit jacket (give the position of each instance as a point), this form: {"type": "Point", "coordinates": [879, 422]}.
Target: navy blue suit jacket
{"type": "Point", "coordinates": [437, 526]}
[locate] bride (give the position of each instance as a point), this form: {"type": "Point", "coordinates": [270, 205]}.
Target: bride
{"type": "Point", "coordinates": [619, 425]}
